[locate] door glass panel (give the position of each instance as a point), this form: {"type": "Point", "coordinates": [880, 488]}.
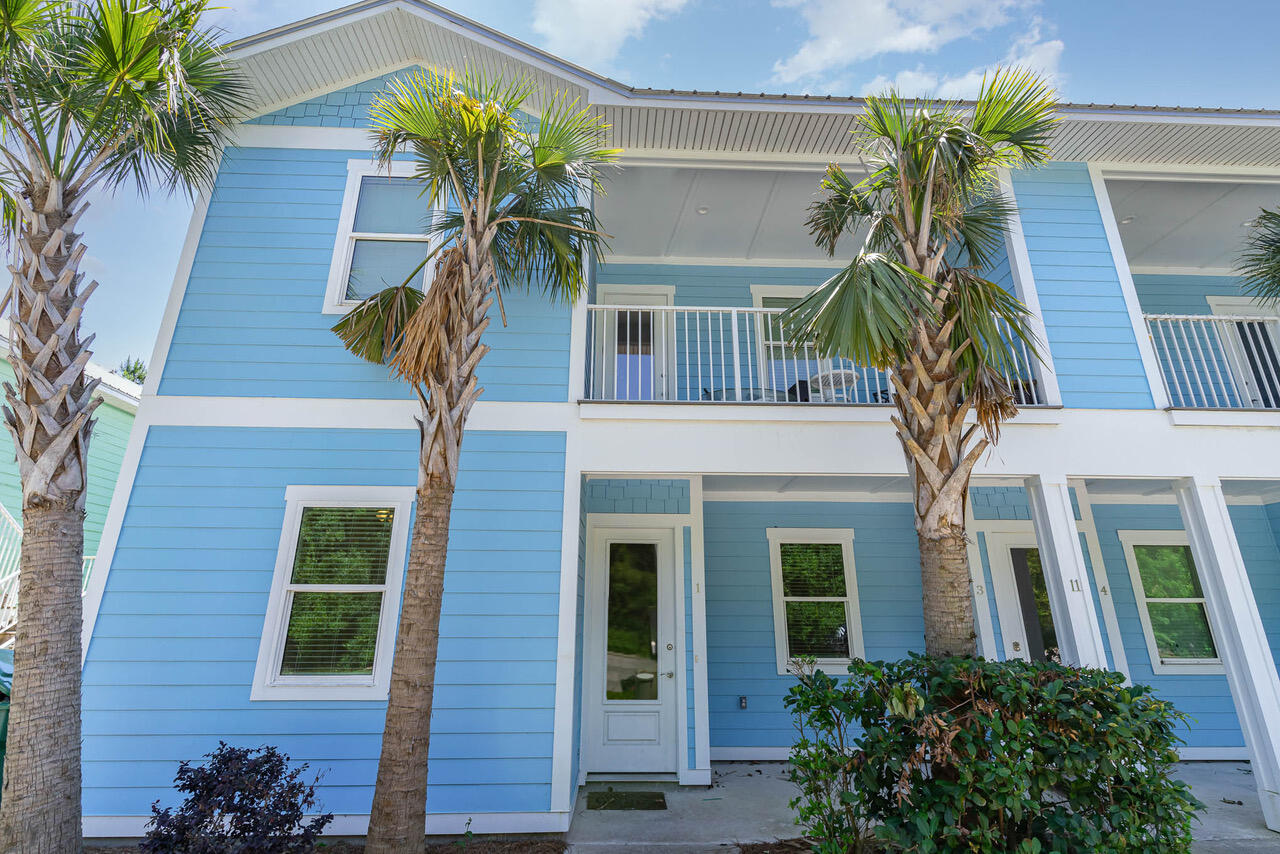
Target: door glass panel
{"type": "Point", "coordinates": [631, 669]}
{"type": "Point", "coordinates": [634, 339]}
{"type": "Point", "coordinates": [1042, 639]}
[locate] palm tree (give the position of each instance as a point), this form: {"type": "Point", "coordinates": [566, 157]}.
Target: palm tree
{"type": "Point", "coordinates": [511, 214]}
{"type": "Point", "coordinates": [913, 300]}
{"type": "Point", "coordinates": [98, 94]}
{"type": "Point", "coordinates": [1259, 263]}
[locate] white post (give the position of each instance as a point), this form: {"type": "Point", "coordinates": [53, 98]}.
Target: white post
{"type": "Point", "coordinates": [1237, 631]}
{"type": "Point", "coordinates": [1070, 594]}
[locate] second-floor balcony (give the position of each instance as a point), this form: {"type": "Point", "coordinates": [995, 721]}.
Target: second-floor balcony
{"type": "Point", "coordinates": [714, 354]}
{"type": "Point", "coordinates": [1213, 361]}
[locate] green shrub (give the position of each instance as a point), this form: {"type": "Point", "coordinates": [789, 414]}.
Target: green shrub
{"type": "Point", "coordinates": [961, 754]}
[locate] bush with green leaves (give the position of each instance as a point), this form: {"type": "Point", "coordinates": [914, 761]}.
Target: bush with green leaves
{"type": "Point", "coordinates": [961, 754]}
{"type": "Point", "coordinates": [243, 800]}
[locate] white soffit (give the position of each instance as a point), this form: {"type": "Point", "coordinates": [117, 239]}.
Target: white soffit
{"type": "Point", "coordinates": [352, 44]}
{"type": "Point", "coordinates": [1186, 224]}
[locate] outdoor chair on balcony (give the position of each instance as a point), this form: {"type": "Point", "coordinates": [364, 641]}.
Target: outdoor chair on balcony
{"type": "Point", "coordinates": [835, 386]}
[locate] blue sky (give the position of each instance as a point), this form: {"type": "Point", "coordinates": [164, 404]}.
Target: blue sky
{"type": "Point", "coordinates": [1167, 52]}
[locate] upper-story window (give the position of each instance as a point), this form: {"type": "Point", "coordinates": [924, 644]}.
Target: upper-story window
{"type": "Point", "coordinates": [381, 234]}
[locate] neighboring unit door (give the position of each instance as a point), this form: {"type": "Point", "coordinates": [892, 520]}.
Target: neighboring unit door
{"type": "Point", "coordinates": [1022, 597]}
{"type": "Point", "coordinates": [629, 689]}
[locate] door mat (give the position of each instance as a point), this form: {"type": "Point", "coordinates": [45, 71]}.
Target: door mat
{"type": "Point", "coordinates": [612, 800]}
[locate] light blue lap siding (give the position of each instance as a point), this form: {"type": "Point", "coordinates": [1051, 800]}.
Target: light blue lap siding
{"type": "Point", "coordinates": [1094, 346]}
{"type": "Point", "coordinates": [1165, 294]}
{"type": "Point", "coordinates": [1205, 698]}
{"type": "Point", "coordinates": [741, 659]}
{"type": "Point", "coordinates": [251, 321]}
{"type": "Point", "coordinates": [1258, 532]}
{"type": "Point", "coordinates": [172, 657]}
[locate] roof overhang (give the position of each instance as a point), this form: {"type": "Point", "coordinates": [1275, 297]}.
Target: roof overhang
{"type": "Point", "coordinates": [299, 61]}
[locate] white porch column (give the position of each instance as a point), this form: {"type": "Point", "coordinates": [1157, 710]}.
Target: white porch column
{"type": "Point", "coordinates": [1237, 631]}
{"type": "Point", "coordinates": [1065, 576]}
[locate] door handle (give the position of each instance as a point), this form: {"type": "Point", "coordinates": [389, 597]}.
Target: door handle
{"type": "Point", "coordinates": [1016, 646]}
{"type": "Point", "coordinates": [670, 674]}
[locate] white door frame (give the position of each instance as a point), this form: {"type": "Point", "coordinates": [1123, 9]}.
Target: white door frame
{"type": "Point", "coordinates": [1013, 631]}
{"type": "Point", "coordinates": [597, 757]}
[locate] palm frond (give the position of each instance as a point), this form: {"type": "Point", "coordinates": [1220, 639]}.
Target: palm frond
{"type": "Point", "coordinates": [842, 208]}
{"type": "Point", "coordinates": [865, 312]}
{"type": "Point", "coordinates": [1259, 262]}
{"type": "Point", "coordinates": [1016, 113]}
{"type": "Point", "coordinates": [373, 329]}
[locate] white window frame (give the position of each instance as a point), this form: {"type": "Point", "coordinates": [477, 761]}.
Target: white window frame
{"type": "Point", "coordinates": [1181, 666]}
{"type": "Point", "coordinates": [842, 537]}
{"type": "Point", "coordinates": [335, 301]}
{"type": "Point", "coordinates": [268, 684]}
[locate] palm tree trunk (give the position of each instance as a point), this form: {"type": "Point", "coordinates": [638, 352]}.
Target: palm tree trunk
{"type": "Point", "coordinates": [49, 416]}
{"type": "Point", "coordinates": [41, 797]}
{"type": "Point", "coordinates": [397, 820]}
{"type": "Point", "coordinates": [941, 453]}
{"type": "Point", "coordinates": [451, 320]}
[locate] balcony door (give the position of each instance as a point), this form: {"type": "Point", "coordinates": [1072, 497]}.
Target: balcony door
{"type": "Point", "coordinates": [635, 343]}
{"type": "Point", "coordinates": [1252, 349]}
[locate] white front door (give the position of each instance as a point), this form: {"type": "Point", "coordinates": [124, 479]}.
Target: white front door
{"type": "Point", "coordinates": [629, 652]}
{"type": "Point", "coordinates": [1022, 599]}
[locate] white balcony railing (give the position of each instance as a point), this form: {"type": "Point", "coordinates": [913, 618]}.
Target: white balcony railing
{"type": "Point", "coordinates": [695, 354]}
{"type": "Point", "coordinates": [1218, 361]}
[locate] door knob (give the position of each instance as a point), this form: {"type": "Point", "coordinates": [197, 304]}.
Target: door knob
{"type": "Point", "coordinates": [1016, 646]}
{"type": "Point", "coordinates": [670, 674]}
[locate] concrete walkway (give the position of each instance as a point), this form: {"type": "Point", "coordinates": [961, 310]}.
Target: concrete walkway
{"type": "Point", "coordinates": [747, 802]}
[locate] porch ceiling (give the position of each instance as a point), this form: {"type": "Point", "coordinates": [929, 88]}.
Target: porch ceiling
{"type": "Point", "coordinates": [806, 487]}
{"type": "Point", "coordinates": [1186, 224]}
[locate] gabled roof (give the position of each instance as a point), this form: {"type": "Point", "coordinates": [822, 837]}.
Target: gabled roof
{"type": "Point", "coordinates": [348, 45]}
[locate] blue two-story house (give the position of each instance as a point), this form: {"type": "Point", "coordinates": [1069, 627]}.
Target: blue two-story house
{"type": "Point", "coordinates": [646, 469]}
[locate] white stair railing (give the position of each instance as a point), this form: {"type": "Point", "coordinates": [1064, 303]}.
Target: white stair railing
{"type": "Point", "coordinates": [1218, 361]}
{"type": "Point", "coordinates": [701, 354]}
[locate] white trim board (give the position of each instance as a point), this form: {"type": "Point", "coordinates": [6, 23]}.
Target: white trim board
{"type": "Point", "coordinates": [452, 824]}
{"type": "Point", "coordinates": [177, 292]}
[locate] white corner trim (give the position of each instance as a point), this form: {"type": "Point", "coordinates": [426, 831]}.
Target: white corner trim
{"type": "Point", "coordinates": [563, 745]}
{"type": "Point", "coordinates": [267, 683]}
{"type": "Point", "coordinates": [1146, 350]}
{"type": "Point", "coordinates": [1093, 547]}
{"type": "Point", "coordinates": [694, 776]}
{"type": "Point", "coordinates": [1129, 539]}
{"type": "Point", "coordinates": [335, 301]}
{"type": "Point", "coordinates": [177, 292]}
{"type": "Point", "coordinates": [697, 544]}
{"type": "Point", "coordinates": [981, 605]}
{"type": "Point", "coordinates": [1024, 283]}
{"type": "Point", "coordinates": [842, 537]}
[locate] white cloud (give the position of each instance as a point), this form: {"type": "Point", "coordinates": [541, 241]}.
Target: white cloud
{"type": "Point", "coordinates": [1029, 51]}
{"type": "Point", "coordinates": [844, 32]}
{"type": "Point", "coordinates": [591, 32]}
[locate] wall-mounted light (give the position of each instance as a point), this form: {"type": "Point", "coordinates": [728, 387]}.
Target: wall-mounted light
{"type": "Point", "coordinates": [702, 210]}
{"type": "Point", "coordinates": [1126, 220]}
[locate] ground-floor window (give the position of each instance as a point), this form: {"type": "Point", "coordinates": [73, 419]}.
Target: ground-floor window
{"type": "Point", "coordinates": [1171, 604]}
{"type": "Point", "coordinates": [815, 596]}
{"type": "Point", "coordinates": [328, 632]}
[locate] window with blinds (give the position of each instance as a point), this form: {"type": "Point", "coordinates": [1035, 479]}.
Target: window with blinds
{"type": "Point", "coordinates": [335, 591]}
{"type": "Point", "coordinates": [330, 623]}
{"type": "Point", "coordinates": [815, 597]}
